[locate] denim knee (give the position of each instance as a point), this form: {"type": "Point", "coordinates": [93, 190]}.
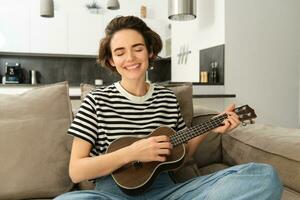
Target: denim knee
{"type": "Point", "coordinates": [81, 195]}
{"type": "Point", "coordinates": [273, 182]}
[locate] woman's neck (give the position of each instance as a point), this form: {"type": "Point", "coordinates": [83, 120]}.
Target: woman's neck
{"type": "Point", "coordinates": [136, 88]}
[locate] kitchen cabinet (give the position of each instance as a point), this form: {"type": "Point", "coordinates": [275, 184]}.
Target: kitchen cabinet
{"type": "Point", "coordinates": [23, 30]}
{"type": "Point", "coordinates": [84, 33]}
{"type": "Point", "coordinates": [14, 29]}
{"type": "Point", "coordinates": [48, 35]}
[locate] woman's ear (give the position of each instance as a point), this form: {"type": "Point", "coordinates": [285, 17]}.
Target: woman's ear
{"type": "Point", "coordinates": [111, 62]}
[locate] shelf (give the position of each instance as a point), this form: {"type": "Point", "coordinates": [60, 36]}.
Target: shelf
{"type": "Point", "coordinates": [214, 96]}
{"type": "Point", "coordinates": [197, 83]}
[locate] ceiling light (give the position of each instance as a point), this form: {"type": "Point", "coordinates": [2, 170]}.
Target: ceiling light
{"type": "Point", "coordinates": [46, 8]}
{"type": "Point", "coordinates": [113, 5]}
{"type": "Point", "coordinates": [182, 10]}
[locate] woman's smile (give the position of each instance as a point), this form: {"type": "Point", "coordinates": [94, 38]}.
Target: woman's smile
{"type": "Point", "coordinates": [132, 66]}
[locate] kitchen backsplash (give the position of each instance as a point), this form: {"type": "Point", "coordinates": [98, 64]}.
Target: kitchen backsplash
{"type": "Point", "coordinates": [75, 70]}
{"type": "Point", "coordinates": [211, 65]}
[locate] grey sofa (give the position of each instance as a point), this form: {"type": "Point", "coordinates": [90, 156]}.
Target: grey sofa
{"type": "Point", "coordinates": [35, 150]}
{"type": "Point", "coordinates": [261, 143]}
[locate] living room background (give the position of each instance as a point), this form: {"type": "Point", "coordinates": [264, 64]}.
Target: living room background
{"type": "Point", "coordinates": [262, 58]}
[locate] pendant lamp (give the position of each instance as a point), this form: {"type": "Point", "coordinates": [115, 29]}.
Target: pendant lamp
{"type": "Point", "coordinates": [46, 8]}
{"type": "Point", "coordinates": [113, 5]}
{"type": "Point", "coordinates": [182, 10]}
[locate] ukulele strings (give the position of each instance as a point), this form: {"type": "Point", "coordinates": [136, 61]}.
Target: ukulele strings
{"type": "Point", "coordinates": [189, 133]}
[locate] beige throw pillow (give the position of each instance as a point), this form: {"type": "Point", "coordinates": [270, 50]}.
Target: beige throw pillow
{"type": "Point", "coordinates": [183, 92]}
{"type": "Point", "coordinates": [34, 146]}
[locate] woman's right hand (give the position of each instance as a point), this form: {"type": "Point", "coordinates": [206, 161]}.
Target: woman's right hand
{"type": "Point", "coordinates": [155, 148]}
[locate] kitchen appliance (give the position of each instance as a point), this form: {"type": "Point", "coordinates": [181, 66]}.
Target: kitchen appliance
{"type": "Point", "coordinates": [13, 73]}
{"type": "Point", "coordinates": [33, 78]}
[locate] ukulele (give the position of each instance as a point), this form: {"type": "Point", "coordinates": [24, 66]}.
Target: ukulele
{"type": "Point", "coordinates": [134, 178]}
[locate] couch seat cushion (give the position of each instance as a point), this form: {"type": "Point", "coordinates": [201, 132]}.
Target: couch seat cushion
{"type": "Point", "coordinates": [289, 194]}
{"type": "Point", "coordinates": [263, 143]}
{"type": "Point", "coordinates": [34, 146]}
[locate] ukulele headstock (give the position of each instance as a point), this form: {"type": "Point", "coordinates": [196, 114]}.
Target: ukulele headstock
{"type": "Point", "coordinates": [246, 114]}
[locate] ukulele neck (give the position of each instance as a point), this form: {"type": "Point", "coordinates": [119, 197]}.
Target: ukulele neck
{"type": "Point", "coordinates": [185, 135]}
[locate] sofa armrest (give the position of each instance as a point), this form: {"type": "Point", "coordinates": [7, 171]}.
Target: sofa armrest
{"type": "Point", "coordinates": [263, 143]}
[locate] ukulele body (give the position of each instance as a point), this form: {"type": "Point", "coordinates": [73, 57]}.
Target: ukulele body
{"type": "Point", "coordinates": [136, 177]}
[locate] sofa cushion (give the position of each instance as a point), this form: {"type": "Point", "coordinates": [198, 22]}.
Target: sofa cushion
{"type": "Point", "coordinates": [34, 146]}
{"type": "Point", "coordinates": [183, 92]}
{"type": "Point", "coordinates": [277, 146]}
{"type": "Point", "coordinates": [85, 89]}
{"type": "Point", "coordinates": [289, 194]}
{"type": "Point", "coordinates": [209, 169]}
{"type": "Point", "coordinates": [209, 151]}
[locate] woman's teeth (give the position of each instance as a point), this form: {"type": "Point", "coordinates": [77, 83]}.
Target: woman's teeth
{"type": "Point", "coordinates": [132, 66]}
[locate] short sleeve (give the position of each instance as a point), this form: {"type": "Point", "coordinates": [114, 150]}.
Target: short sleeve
{"type": "Point", "coordinates": [180, 122]}
{"type": "Point", "coordinates": [84, 125]}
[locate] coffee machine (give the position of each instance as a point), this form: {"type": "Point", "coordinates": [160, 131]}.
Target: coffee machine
{"type": "Point", "coordinates": [13, 73]}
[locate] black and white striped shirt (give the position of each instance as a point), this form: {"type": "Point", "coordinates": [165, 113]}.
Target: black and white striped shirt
{"type": "Point", "coordinates": [110, 113]}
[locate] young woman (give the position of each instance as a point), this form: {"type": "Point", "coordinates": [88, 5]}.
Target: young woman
{"type": "Point", "coordinates": [133, 107]}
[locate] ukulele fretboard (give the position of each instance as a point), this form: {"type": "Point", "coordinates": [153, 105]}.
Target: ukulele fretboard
{"type": "Point", "coordinates": [185, 135]}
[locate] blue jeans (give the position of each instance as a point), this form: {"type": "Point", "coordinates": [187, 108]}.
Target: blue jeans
{"type": "Point", "coordinates": [246, 182]}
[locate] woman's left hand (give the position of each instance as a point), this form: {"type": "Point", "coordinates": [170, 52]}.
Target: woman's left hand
{"type": "Point", "coordinates": [230, 123]}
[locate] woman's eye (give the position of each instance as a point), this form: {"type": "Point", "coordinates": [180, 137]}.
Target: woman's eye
{"type": "Point", "coordinates": [138, 50]}
{"type": "Point", "coordinates": [119, 54]}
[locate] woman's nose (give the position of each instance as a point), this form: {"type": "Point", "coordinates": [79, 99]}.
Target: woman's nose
{"type": "Point", "coordinates": [130, 56]}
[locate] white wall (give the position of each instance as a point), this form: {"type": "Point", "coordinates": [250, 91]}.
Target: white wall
{"type": "Point", "coordinates": [155, 9]}
{"type": "Point", "coordinates": [262, 57]}
{"type": "Point", "coordinates": [299, 72]}
{"type": "Point", "coordinates": [205, 31]}
{"type": "Point", "coordinates": [127, 7]}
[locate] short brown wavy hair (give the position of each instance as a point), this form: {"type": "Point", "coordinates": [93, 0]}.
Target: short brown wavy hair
{"type": "Point", "coordinates": [153, 41]}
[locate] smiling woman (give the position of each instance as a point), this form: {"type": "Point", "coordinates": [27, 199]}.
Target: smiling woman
{"type": "Point", "coordinates": [134, 108]}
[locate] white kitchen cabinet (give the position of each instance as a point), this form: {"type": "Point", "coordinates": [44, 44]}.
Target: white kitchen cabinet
{"type": "Point", "coordinates": [14, 29]}
{"type": "Point", "coordinates": [84, 33]}
{"type": "Point", "coordinates": [49, 35]}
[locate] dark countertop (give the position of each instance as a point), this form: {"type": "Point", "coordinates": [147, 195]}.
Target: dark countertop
{"type": "Point", "coordinates": [214, 96]}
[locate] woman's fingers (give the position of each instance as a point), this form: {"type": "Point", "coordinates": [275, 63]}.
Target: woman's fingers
{"type": "Point", "coordinates": [161, 138]}
{"type": "Point", "coordinates": [160, 158]}
{"type": "Point", "coordinates": [165, 145]}
{"type": "Point", "coordinates": [230, 107]}
{"type": "Point", "coordinates": [164, 152]}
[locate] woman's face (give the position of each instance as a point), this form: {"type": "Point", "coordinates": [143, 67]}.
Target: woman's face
{"type": "Point", "coordinates": [129, 54]}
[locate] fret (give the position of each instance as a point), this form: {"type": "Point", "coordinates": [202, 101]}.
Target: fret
{"type": "Point", "coordinates": [189, 133]}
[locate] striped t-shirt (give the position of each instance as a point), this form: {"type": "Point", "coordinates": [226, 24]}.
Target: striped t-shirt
{"type": "Point", "coordinates": [110, 113]}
